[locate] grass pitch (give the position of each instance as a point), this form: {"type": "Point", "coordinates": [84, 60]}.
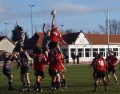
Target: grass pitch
{"type": "Point", "coordinates": [79, 81]}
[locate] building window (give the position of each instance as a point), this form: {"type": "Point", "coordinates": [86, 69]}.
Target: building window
{"type": "Point", "coordinates": [95, 51]}
{"type": "Point", "coordinates": [65, 51]}
{"type": "Point", "coordinates": [87, 52]}
{"type": "Point", "coordinates": [102, 51]}
{"type": "Point", "coordinates": [73, 51]}
{"type": "Point", "coordinates": [81, 52]}
{"type": "Point", "coordinates": [115, 50]}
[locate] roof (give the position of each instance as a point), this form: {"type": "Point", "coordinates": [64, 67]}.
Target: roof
{"type": "Point", "coordinates": [103, 38]}
{"type": "Point", "coordinates": [36, 40]}
{"type": "Point", "coordinates": [70, 37]}
{"type": "Point", "coordinates": [2, 37]}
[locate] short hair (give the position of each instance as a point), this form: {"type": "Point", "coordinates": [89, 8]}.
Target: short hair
{"type": "Point", "coordinates": [20, 28]}
{"type": "Point", "coordinates": [39, 51]}
{"type": "Point", "coordinates": [100, 55]}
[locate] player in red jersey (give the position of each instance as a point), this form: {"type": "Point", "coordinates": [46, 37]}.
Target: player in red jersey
{"type": "Point", "coordinates": [100, 66]}
{"type": "Point", "coordinates": [54, 65]}
{"type": "Point", "coordinates": [61, 69]}
{"type": "Point", "coordinates": [112, 65]}
{"type": "Point", "coordinates": [39, 67]}
{"type": "Point", "coordinates": [55, 36]}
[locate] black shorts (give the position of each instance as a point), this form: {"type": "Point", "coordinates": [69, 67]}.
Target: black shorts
{"type": "Point", "coordinates": [100, 74]}
{"type": "Point", "coordinates": [18, 46]}
{"type": "Point", "coordinates": [24, 70]}
{"type": "Point", "coordinates": [53, 72]}
{"type": "Point", "coordinates": [112, 69]}
{"type": "Point", "coordinates": [53, 45]}
{"type": "Point", "coordinates": [39, 73]}
{"type": "Point", "coordinates": [6, 72]}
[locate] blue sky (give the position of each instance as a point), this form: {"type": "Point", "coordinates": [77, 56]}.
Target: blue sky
{"type": "Point", "coordinates": [75, 14]}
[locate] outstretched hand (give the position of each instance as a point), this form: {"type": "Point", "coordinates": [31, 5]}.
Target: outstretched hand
{"type": "Point", "coordinates": [43, 24]}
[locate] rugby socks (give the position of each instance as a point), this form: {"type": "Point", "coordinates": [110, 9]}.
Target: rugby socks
{"type": "Point", "coordinates": [10, 83]}
{"type": "Point", "coordinates": [95, 85]}
{"type": "Point", "coordinates": [28, 85]}
{"type": "Point", "coordinates": [24, 85]}
{"type": "Point", "coordinates": [38, 84]}
{"type": "Point", "coordinates": [64, 82]}
{"type": "Point", "coordinates": [57, 84]}
{"type": "Point", "coordinates": [105, 84]}
{"type": "Point", "coordinates": [53, 85]}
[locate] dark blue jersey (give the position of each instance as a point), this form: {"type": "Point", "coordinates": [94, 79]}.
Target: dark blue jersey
{"type": "Point", "coordinates": [23, 59]}
{"type": "Point", "coordinates": [6, 64]}
{"type": "Point", "coordinates": [46, 40]}
{"type": "Point", "coordinates": [21, 36]}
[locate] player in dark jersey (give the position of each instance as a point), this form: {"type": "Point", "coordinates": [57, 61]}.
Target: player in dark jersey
{"type": "Point", "coordinates": [100, 66]}
{"type": "Point", "coordinates": [55, 36]}
{"type": "Point", "coordinates": [39, 67]}
{"type": "Point", "coordinates": [6, 69]}
{"type": "Point", "coordinates": [112, 65]}
{"type": "Point", "coordinates": [20, 43]}
{"type": "Point", "coordinates": [46, 41]}
{"type": "Point", "coordinates": [93, 65]}
{"type": "Point", "coordinates": [24, 57]}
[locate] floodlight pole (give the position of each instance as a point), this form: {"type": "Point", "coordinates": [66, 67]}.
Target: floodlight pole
{"type": "Point", "coordinates": [107, 23]}
{"type": "Point", "coordinates": [6, 29]}
{"type": "Point", "coordinates": [31, 6]}
{"type": "Point", "coordinates": [62, 27]}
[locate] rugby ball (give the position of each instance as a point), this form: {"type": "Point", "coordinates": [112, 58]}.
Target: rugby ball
{"type": "Point", "coordinates": [53, 12]}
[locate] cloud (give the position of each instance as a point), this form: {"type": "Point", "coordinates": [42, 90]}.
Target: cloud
{"type": "Point", "coordinates": [69, 8]}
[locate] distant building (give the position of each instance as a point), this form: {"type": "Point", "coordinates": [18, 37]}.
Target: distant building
{"type": "Point", "coordinates": [31, 43]}
{"type": "Point", "coordinates": [6, 44]}
{"type": "Point", "coordinates": [86, 45]}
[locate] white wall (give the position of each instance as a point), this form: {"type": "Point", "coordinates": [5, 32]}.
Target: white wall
{"type": "Point", "coordinates": [81, 39]}
{"type": "Point", "coordinates": [6, 45]}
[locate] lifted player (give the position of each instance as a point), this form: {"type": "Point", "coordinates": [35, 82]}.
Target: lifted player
{"type": "Point", "coordinates": [46, 41]}
{"type": "Point", "coordinates": [55, 36]}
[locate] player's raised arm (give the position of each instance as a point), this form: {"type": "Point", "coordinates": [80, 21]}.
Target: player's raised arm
{"type": "Point", "coordinates": [43, 29]}
{"type": "Point", "coordinates": [53, 13]}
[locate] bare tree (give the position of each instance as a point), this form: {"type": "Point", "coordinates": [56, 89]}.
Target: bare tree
{"type": "Point", "coordinates": [69, 31]}
{"type": "Point", "coordinates": [36, 27]}
{"type": "Point", "coordinates": [114, 27]}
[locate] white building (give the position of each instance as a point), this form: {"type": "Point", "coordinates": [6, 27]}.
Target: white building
{"type": "Point", "coordinates": [6, 44]}
{"type": "Point", "coordinates": [87, 45]}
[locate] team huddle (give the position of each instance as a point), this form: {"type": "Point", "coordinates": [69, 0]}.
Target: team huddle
{"type": "Point", "coordinates": [103, 67]}
{"type": "Point", "coordinates": [49, 54]}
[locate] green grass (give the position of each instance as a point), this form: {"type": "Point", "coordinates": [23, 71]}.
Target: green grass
{"type": "Point", "coordinates": [79, 81]}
